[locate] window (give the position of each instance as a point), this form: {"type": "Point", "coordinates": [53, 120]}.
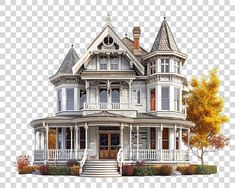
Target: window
{"type": "Point", "coordinates": [82, 138]}
{"type": "Point", "coordinates": [103, 99]}
{"type": "Point", "coordinates": [153, 100]}
{"type": "Point", "coordinates": [59, 98]}
{"type": "Point", "coordinates": [138, 97]}
{"type": "Point", "coordinates": [70, 99]}
{"type": "Point", "coordinates": [115, 96]}
{"type": "Point", "coordinates": [108, 41]}
{"type": "Point", "coordinates": [152, 67]}
{"type": "Point", "coordinates": [165, 65]}
{"type": "Point", "coordinates": [153, 138]}
{"type": "Point", "coordinates": [177, 100]}
{"type": "Point", "coordinates": [165, 98]}
{"type": "Point", "coordinates": [114, 63]}
{"type": "Point", "coordinates": [82, 98]}
{"type": "Point", "coordinates": [165, 138]}
{"type": "Point", "coordinates": [176, 66]}
{"type": "Point", "coordinates": [103, 63]}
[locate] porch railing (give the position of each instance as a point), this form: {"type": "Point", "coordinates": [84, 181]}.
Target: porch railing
{"type": "Point", "coordinates": [110, 106]}
{"type": "Point", "coordinates": [58, 154]}
{"type": "Point", "coordinates": [159, 155]}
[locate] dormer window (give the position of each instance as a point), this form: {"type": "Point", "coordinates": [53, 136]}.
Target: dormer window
{"type": "Point", "coordinates": [152, 67]}
{"type": "Point", "coordinates": [165, 65]}
{"type": "Point", "coordinates": [108, 41]}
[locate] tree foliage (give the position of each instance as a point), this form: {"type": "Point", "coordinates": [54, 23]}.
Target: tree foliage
{"type": "Point", "coordinates": [204, 108]}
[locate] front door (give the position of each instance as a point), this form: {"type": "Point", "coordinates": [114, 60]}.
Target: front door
{"type": "Point", "coordinates": [109, 142]}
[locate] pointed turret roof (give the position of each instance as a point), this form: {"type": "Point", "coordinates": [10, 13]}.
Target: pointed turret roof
{"type": "Point", "coordinates": [164, 40]}
{"type": "Point", "coordinates": [69, 61]}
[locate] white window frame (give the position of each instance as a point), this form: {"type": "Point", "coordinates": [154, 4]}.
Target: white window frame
{"type": "Point", "coordinates": [59, 100]}
{"type": "Point", "coordinates": [138, 96]}
{"type": "Point", "coordinates": [68, 100]}
{"type": "Point", "coordinates": [177, 100]}
{"type": "Point", "coordinates": [152, 67]}
{"type": "Point", "coordinates": [103, 63]}
{"type": "Point", "coordinates": [114, 63]}
{"type": "Point", "coordinates": [165, 64]}
{"type": "Point", "coordinates": [176, 66]}
{"type": "Point", "coordinates": [162, 99]}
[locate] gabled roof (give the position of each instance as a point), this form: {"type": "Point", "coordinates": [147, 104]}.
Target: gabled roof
{"type": "Point", "coordinates": [164, 40]}
{"type": "Point", "coordinates": [69, 61]}
{"type": "Point", "coordinates": [107, 30]}
{"type": "Point", "coordinates": [130, 45]}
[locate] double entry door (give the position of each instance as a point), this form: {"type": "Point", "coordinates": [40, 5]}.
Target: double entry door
{"type": "Point", "coordinates": [109, 143]}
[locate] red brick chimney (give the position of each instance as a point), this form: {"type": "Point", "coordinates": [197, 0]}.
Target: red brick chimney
{"type": "Point", "coordinates": [136, 36]}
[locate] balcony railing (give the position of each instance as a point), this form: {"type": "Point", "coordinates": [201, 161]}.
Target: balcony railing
{"type": "Point", "coordinates": [108, 106]}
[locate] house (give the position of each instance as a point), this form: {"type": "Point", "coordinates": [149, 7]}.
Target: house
{"type": "Point", "coordinates": [117, 103]}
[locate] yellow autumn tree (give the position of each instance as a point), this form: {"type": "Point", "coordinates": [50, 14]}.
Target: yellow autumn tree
{"type": "Point", "coordinates": [204, 108]}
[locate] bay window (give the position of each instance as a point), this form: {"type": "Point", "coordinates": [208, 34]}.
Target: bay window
{"type": "Point", "coordinates": [152, 67]}
{"type": "Point", "coordinates": [59, 100]}
{"type": "Point", "coordinates": [176, 66]}
{"type": "Point", "coordinates": [177, 100]}
{"type": "Point", "coordinates": [165, 64]}
{"type": "Point", "coordinates": [165, 98]}
{"type": "Point", "coordinates": [70, 99]}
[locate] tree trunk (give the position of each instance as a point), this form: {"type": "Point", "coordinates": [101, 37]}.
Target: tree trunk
{"type": "Point", "coordinates": [202, 157]}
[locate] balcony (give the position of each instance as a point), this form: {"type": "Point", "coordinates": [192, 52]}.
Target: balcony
{"type": "Point", "coordinates": [108, 106]}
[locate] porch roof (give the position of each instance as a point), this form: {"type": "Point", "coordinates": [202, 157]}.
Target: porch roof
{"type": "Point", "coordinates": [104, 116]}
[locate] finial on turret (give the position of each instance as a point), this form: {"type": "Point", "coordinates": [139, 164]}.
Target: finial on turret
{"type": "Point", "coordinates": [72, 45]}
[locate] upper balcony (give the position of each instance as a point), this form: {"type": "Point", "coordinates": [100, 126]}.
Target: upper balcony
{"type": "Point", "coordinates": [108, 106]}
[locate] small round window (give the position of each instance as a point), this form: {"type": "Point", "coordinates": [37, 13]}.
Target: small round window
{"type": "Point", "coordinates": [108, 41]}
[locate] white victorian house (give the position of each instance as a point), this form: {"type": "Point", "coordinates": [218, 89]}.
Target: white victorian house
{"type": "Point", "coordinates": [117, 101]}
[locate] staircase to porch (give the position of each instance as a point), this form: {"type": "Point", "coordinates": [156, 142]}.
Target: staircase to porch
{"type": "Point", "coordinates": [100, 168]}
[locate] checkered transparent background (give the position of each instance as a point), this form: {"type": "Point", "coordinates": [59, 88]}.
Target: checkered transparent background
{"type": "Point", "coordinates": [35, 37]}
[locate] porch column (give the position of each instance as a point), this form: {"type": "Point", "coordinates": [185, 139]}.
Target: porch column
{"type": "Point", "coordinates": [71, 142]}
{"type": "Point", "coordinates": [40, 140]}
{"type": "Point", "coordinates": [130, 89]}
{"type": "Point", "coordinates": [130, 142]}
{"type": "Point", "coordinates": [47, 135]}
{"type": "Point", "coordinates": [137, 130]}
{"type": "Point", "coordinates": [160, 141]}
{"type": "Point", "coordinates": [76, 142]}
{"type": "Point", "coordinates": [175, 143]}
{"type": "Point", "coordinates": [180, 139]}
{"type": "Point", "coordinates": [121, 127]}
{"type": "Point", "coordinates": [188, 138]}
{"type": "Point", "coordinates": [35, 140]}
{"type": "Point", "coordinates": [86, 128]}
{"type": "Point", "coordinates": [57, 134]}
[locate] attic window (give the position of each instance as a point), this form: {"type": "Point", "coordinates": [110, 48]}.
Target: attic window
{"type": "Point", "coordinates": [108, 41]}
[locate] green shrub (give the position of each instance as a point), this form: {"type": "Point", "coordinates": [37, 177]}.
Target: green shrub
{"type": "Point", "coordinates": [44, 169]}
{"type": "Point", "coordinates": [143, 171]}
{"type": "Point", "coordinates": [59, 170]}
{"type": "Point", "coordinates": [128, 170]}
{"type": "Point", "coordinates": [165, 170]}
{"type": "Point", "coordinates": [74, 170]}
{"type": "Point", "coordinates": [156, 170]}
{"type": "Point", "coordinates": [205, 169]}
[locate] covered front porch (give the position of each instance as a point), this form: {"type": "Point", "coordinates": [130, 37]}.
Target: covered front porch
{"type": "Point", "coordinates": [110, 138]}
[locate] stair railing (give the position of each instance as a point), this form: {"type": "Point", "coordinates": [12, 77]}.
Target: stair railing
{"type": "Point", "coordinates": [120, 160]}
{"type": "Point", "coordinates": [82, 162]}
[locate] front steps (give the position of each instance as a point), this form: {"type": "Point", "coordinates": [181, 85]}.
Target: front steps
{"type": "Point", "coordinates": [100, 168]}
